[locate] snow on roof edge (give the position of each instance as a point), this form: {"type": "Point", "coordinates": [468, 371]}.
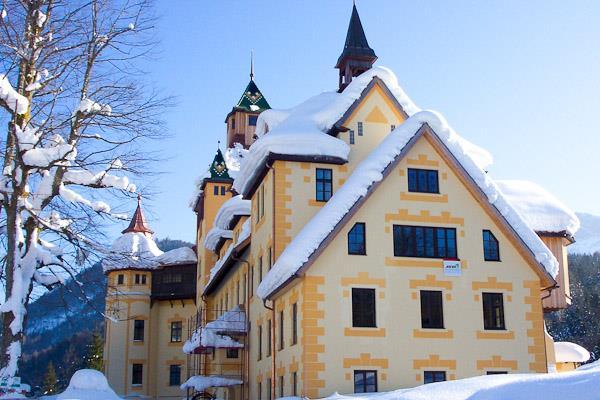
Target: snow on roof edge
{"type": "Point", "coordinates": [369, 171]}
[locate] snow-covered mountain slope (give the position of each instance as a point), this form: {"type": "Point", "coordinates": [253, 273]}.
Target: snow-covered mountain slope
{"type": "Point", "coordinates": [588, 236]}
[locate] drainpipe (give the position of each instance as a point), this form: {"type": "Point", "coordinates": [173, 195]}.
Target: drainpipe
{"type": "Point", "coordinates": [247, 304]}
{"type": "Point", "coordinates": [272, 346]}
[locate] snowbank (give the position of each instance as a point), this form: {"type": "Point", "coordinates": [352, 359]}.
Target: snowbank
{"type": "Point", "coordinates": [303, 129]}
{"type": "Point", "coordinates": [541, 210]}
{"type": "Point", "coordinates": [236, 206]}
{"type": "Point", "coordinates": [570, 352]}
{"type": "Point", "coordinates": [88, 384]}
{"type": "Point", "coordinates": [580, 385]}
{"type": "Point", "coordinates": [369, 171]}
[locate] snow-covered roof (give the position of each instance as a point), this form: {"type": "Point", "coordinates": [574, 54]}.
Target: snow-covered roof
{"type": "Point", "coordinates": [200, 382]}
{"type": "Point", "coordinates": [214, 236]}
{"type": "Point", "coordinates": [541, 210]}
{"type": "Point", "coordinates": [234, 207]}
{"type": "Point", "coordinates": [369, 172]}
{"type": "Point", "coordinates": [570, 352]}
{"type": "Point", "coordinates": [138, 250]}
{"type": "Point", "coordinates": [303, 129]}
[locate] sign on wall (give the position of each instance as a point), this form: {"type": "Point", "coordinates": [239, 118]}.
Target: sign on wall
{"type": "Point", "coordinates": [452, 268]}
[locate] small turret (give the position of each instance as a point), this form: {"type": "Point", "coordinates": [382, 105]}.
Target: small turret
{"type": "Point", "coordinates": [138, 221]}
{"type": "Point", "coordinates": [357, 56]}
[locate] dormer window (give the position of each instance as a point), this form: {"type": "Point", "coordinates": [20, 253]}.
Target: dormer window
{"type": "Point", "coordinates": [423, 180]}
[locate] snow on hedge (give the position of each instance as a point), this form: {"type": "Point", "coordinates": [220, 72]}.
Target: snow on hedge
{"type": "Point", "coordinates": [370, 171]}
{"type": "Point", "coordinates": [232, 208]}
{"type": "Point", "coordinates": [570, 352]}
{"type": "Point", "coordinates": [15, 101]}
{"type": "Point", "coordinates": [541, 210]}
{"type": "Point", "coordinates": [303, 129]}
{"type": "Point", "coordinates": [201, 383]}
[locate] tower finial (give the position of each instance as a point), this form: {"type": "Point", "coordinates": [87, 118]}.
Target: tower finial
{"type": "Point", "coordinates": [251, 65]}
{"type": "Point", "coordinates": [139, 197]}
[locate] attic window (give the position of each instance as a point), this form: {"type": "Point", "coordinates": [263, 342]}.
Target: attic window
{"type": "Point", "coordinates": [356, 239]}
{"type": "Point", "coordinates": [360, 129]}
{"type": "Point", "coordinates": [423, 180]}
{"type": "Point", "coordinates": [491, 251]}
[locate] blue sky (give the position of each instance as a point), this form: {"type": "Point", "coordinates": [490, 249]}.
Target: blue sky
{"type": "Point", "coordinates": [519, 78]}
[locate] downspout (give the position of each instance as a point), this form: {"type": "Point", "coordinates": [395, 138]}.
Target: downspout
{"type": "Point", "coordinates": [247, 303]}
{"type": "Point", "coordinates": [272, 346]}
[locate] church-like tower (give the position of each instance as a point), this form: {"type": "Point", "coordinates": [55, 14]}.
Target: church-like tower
{"type": "Point", "coordinates": [241, 120]}
{"type": "Point", "coordinates": [357, 56]}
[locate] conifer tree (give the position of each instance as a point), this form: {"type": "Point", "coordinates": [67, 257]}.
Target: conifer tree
{"type": "Point", "coordinates": [96, 352]}
{"type": "Point", "coordinates": [50, 380]}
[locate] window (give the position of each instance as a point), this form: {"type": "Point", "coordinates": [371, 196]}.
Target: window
{"type": "Point", "coordinates": [270, 258]}
{"type": "Point", "coordinates": [237, 292]}
{"type": "Point", "coordinates": [259, 390]}
{"type": "Point", "coordinates": [222, 190]}
{"type": "Point", "coordinates": [138, 330]}
{"type": "Point", "coordinates": [174, 375]}
{"type": "Point", "coordinates": [281, 341]}
{"type": "Point", "coordinates": [491, 251]}
{"type": "Point", "coordinates": [434, 376]}
{"type": "Point", "coordinates": [356, 239]}
{"type": "Point", "coordinates": [281, 386]}
{"type": "Point", "coordinates": [496, 373]}
{"type": "Point", "coordinates": [268, 388]}
{"type": "Point", "coordinates": [294, 384]}
{"type": "Point", "coordinates": [260, 270]}
{"type": "Point", "coordinates": [252, 120]}
{"type": "Point", "coordinates": [176, 330]}
{"type": "Point", "coordinates": [294, 323]}
{"type": "Point", "coordinates": [262, 201]}
{"type": "Point", "coordinates": [244, 282]}
{"type": "Point", "coordinates": [232, 353]}
{"type": "Point", "coordinates": [232, 122]}
{"type": "Point", "coordinates": [363, 308]}
{"type": "Point", "coordinates": [392, 127]}
{"type": "Point", "coordinates": [432, 313]}
{"type": "Point", "coordinates": [269, 338]}
{"type": "Point", "coordinates": [251, 280]}
{"type": "Point", "coordinates": [137, 373]}
{"type": "Point", "coordinates": [137, 279]}
{"type": "Point", "coordinates": [423, 180]}
{"type": "Point", "coordinates": [423, 241]}
{"type": "Point", "coordinates": [143, 279]}
{"type": "Point", "coordinates": [351, 136]}
{"type": "Point", "coordinates": [226, 301]}
{"type": "Point", "coordinates": [324, 184]}
{"type": "Point", "coordinates": [259, 342]}
{"type": "Point", "coordinates": [360, 129]}
{"type": "Point", "coordinates": [365, 381]}
{"type": "Point", "coordinates": [493, 311]}
{"type": "Point", "coordinates": [216, 190]}
{"type": "Point", "coordinates": [120, 279]}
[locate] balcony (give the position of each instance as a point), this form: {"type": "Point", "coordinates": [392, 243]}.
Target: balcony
{"type": "Point", "coordinates": [175, 282]}
{"type": "Point", "coordinates": [223, 332]}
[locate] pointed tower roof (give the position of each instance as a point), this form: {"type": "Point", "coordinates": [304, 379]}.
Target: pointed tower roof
{"type": "Point", "coordinates": [356, 45]}
{"type": "Point", "coordinates": [138, 221]}
{"type": "Point", "coordinates": [218, 168]}
{"type": "Point", "coordinates": [252, 99]}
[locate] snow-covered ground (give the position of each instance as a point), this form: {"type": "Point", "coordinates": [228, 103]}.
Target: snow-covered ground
{"type": "Point", "coordinates": [583, 384]}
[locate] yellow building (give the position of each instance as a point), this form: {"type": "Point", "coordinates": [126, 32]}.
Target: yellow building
{"type": "Point", "coordinates": [355, 243]}
{"type": "Point", "coordinates": [150, 298]}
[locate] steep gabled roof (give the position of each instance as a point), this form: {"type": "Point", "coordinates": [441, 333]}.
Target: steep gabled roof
{"type": "Point", "coordinates": [322, 228]}
{"type": "Point", "coordinates": [252, 99]}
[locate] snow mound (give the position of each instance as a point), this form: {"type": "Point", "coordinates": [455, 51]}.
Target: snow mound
{"type": "Point", "coordinates": [370, 171]}
{"type": "Point", "coordinates": [570, 352]}
{"type": "Point", "coordinates": [303, 129]}
{"type": "Point", "coordinates": [88, 384]}
{"type": "Point", "coordinates": [554, 386]}
{"type": "Point", "coordinates": [541, 210]}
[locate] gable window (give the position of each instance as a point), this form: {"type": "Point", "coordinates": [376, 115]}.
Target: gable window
{"type": "Point", "coordinates": [363, 308]}
{"type": "Point", "coordinates": [365, 381]}
{"type": "Point", "coordinates": [137, 373]}
{"type": "Point", "coordinates": [294, 323]}
{"type": "Point", "coordinates": [232, 353]}
{"type": "Point", "coordinates": [252, 120]}
{"type": "Point", "coordinates": [324, 188]}
{"type": "Point", "coordinates": [174, 375]}
{"type": "Point", "coordinates": [493, 311]}
{"type": "Point", "coordinates": [351, 136]}
{"type": "Point", "coordinates": [138, 330]}
{"type": "Point", "coordinates": [432, 313]}
{"type": "Point", "coordinates": [491, 250]}
{"type": "Point", "coordinates": [360, 129]}
{"type": "Point", "coordinates": [176, 330]}
{"type": "Point", "coordinates": [434, 376]}
{"type": "Point", "coordinates": [120, 279]}
{"type": "Point", "coordinates": [423, 180]}
{"type": "Point", "coordinates": [357, 239]}
{"type": "Point", "coordinates": [424, 241]}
